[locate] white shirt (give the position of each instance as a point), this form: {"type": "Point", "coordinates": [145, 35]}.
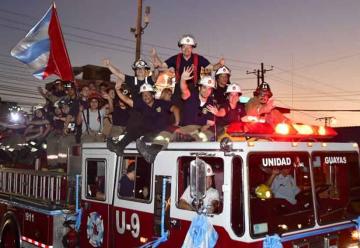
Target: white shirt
{"type": "Point", "coordinates": [211, 195]}
{"type": "Point", "coordinates": [285, 188]}
{"type": "Point", "coordinates": [94, 123]}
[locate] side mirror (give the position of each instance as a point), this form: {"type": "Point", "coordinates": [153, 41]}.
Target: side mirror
{"type": "Point", "coordinates": [197, 181]}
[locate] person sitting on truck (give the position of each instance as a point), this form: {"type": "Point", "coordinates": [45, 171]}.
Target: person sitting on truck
{"type": "Point", "coordinates": [121, 114]}
{"type": "Point", "coordinates": [141, 69]}
{"type": "Point", "coordinates": [126, 182]}
{"type": "Point", "coordinates": [197, 119]}
{"type": "Point", "coordinates": [283, 185]}
{"type": "Point", "coordinates": [153, 119]}
{"type": "Point", "coordinates": [212, 198]}
{"type": "Point", "coordinates": [53, 92]}
{"type": "Point", "coordinates": [232, 110]}
{"type": "Point", "coordinates": [222, 78]}
{"type": "Point", "coordinates": [63, 134]}
{"type": "Point", "coordinates": [261, 107]}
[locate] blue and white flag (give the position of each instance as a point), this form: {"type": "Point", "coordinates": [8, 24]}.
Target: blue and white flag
{"type": "Point", "coordinates": [43, 48]}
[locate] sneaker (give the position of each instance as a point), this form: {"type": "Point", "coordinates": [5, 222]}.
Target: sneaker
{"type": "Point", "coordinates": [114, 147]}
{"type": "Point", "coordinates": [111, 145]}
{"type": "Point", "coordinates": [141, 145]}
{"type": "Point", "coordinates": [144, 150]}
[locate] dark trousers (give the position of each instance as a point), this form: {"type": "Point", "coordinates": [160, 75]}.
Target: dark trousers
{"type": "Point", "coordinates": [137, 126]}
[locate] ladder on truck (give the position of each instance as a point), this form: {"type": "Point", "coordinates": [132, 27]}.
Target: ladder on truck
{"type": "Point", "coordinates": [42, 187]}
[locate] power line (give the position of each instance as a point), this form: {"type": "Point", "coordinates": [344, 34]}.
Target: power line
{"type": "Point", "coordinates": [319, 91]}
{"type": "Point", "coordinates": [91, 44]}
{"type": "Point", "coordinates": [122, 38]}
{"type": "Point", "coordinates": [330, 94]}
{"type": "Point", "coordinates": [311, 79]}
{"type": "Point", "coordinates": [323, 62]}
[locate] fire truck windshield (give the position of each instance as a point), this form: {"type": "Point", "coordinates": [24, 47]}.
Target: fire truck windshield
{"type": "Point", "coordinates": [337, 185]}
{"type": "Point", "coordinates": [280, 192]}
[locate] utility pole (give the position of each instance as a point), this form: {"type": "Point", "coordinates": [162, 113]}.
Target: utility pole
{"type": "Point", "coordinates": [260, 74]}
{"type": "Point", "coordinates": [139, 30]}
{"type": "Point", "coordinates": [328, 120]}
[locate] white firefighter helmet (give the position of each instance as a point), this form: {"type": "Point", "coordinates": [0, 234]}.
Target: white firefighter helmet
{"type": "Point", "coordinates": [233, 87]}
{"type": "Point", "coordinates": [187, 39]}
{"type": "Point", "coordinates": [146, 87]}
{"type": "Point", "coordinates": [36, 107]}
{"type": "Point", "coordinates": [209, 170]}
{"type": "Point", "coordinates": [207, 81]}
{"type": "Point", "coordinates": [140, 64]}
{"type": "Point", "coordinates": [223, 70]}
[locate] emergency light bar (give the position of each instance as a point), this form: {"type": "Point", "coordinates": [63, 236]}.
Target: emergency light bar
{"type": "Point", "coordinates": [281, 130]}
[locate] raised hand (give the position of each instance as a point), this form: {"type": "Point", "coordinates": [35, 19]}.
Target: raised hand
{"type": "Point", "coordinates": [212, 109]}
{"type": "Point", "coordinates": [118, 84]}
{"type": "Point", "coordinates": [222, 61]}
{"type": "Point", "coordinates": [186, 75]}
{"type": "Point", "coordinates": [106, 62]}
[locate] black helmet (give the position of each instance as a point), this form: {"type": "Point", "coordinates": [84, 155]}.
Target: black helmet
{"type": "Point", "coordinates": [263, 87]}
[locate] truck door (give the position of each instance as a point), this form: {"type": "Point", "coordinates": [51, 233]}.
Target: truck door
{"type": "Point", "coordinates": [96, 200]}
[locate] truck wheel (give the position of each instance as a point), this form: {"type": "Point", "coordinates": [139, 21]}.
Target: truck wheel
{"type": "Point", "coordinates": [10, 236]}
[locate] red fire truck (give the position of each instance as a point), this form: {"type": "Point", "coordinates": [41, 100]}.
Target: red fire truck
{"type": "Point", "coordinates": [323, 212]}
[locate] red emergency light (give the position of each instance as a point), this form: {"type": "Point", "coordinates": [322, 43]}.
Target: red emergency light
{"type": "Point", "coordinates": [281, 130]}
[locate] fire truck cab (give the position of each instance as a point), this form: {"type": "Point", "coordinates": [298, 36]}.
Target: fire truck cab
{"type": "Point", "coordinates": [251, 178]}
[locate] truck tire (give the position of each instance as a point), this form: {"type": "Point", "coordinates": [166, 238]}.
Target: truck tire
{"type": "Point", "coordinates": [10, 236]}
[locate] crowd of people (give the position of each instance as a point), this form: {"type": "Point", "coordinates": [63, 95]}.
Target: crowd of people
{"type": "Point", "coordinates": [128, 111]}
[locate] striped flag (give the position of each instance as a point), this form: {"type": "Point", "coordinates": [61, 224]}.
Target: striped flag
{"type": "Point", "coordinates": [43, 48]}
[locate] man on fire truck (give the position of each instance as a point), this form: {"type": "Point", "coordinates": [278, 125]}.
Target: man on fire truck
{"type": "Point", "coordinates": [197, 120]}
{"type": "Point", "coordinates": [150, 110]}
{"type": "Point", "coordinates": [141, 69]}
{"type": "Point", "coordinates": [261, 107]}
{"type": "Point", "coordinates": [186, 58]}
{"type": "Point", "coordinates": [212, 198]}
{"type": "Point", "coordinates": [283, 185]}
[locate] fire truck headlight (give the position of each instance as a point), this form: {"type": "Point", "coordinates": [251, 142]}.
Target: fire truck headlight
{"type": "Point", "coordinates": [355, 235]}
